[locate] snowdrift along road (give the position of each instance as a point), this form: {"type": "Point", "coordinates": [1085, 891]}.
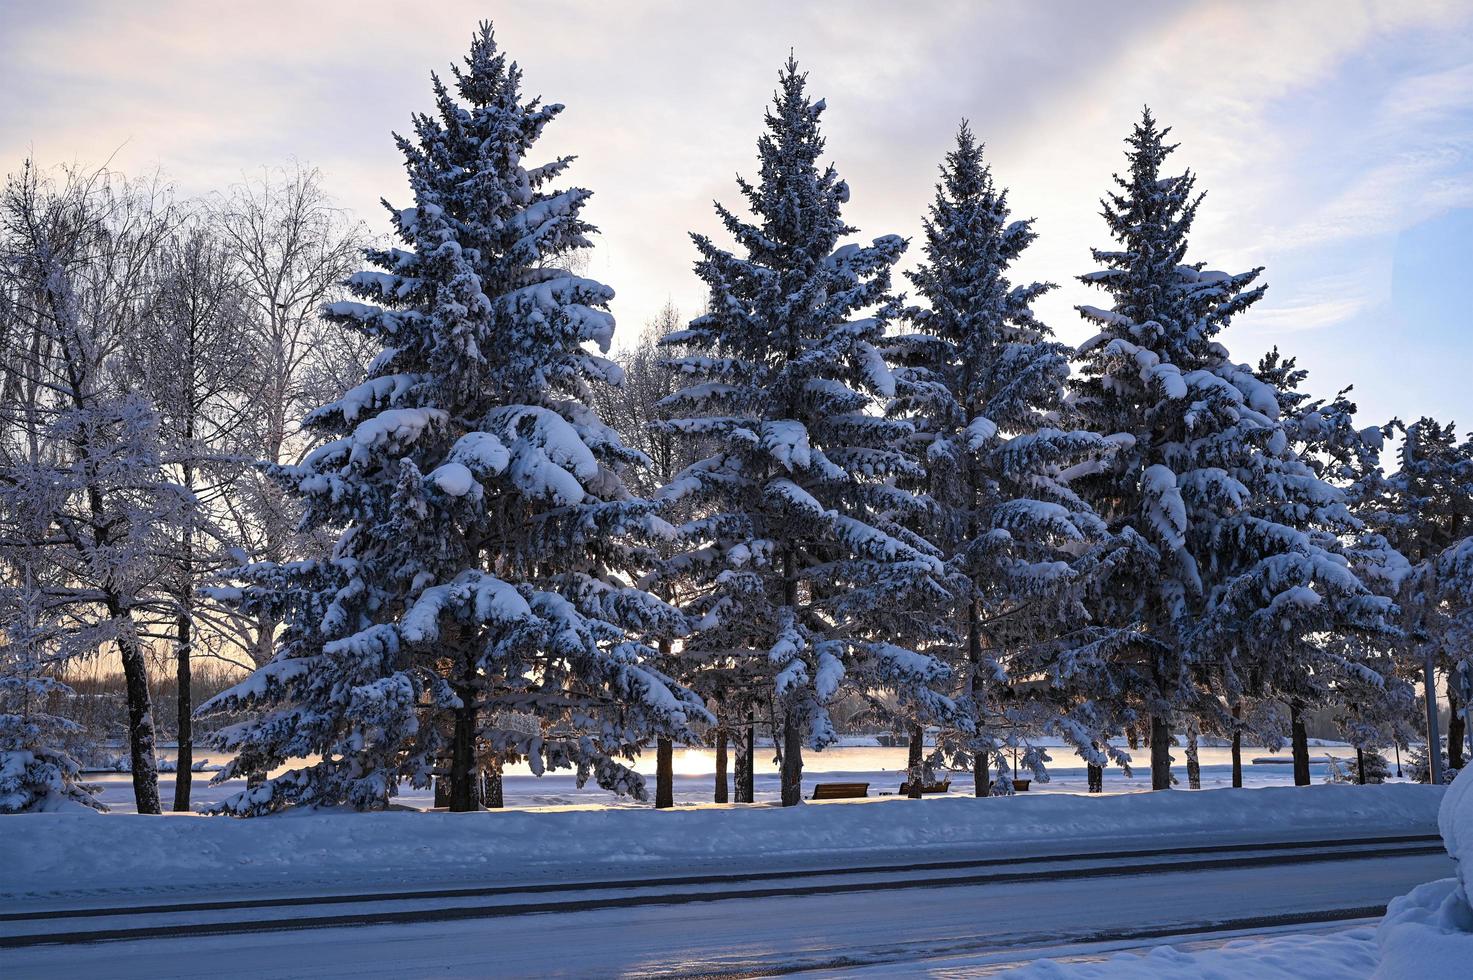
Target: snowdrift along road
{"type": "Point", "coordinates": [74, 854]}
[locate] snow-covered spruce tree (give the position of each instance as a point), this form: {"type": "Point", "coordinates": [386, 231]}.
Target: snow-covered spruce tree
{"type": "Point", "coordinates": [633, 410]}
{"type": "Point", "coordinates": [982, 382]}
{"type": "Point", "coordinates": [1248, 567]}
{"type": "Point", "coordinates": [1371, 700]}
{"type": "Point", "coordinates": [1426, 511]}
{"type": "Point", "coordinates": [1455, 575]}
{"type": "Point", "coordinates": [798, 551]}
{"type": "Point", "coordinates": [483, 516]}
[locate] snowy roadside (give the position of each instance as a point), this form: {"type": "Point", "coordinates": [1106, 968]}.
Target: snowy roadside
{"type": "Point", "coordinates": [78, 854]}
{"type": "Point", "coordinates": [1427, 932]}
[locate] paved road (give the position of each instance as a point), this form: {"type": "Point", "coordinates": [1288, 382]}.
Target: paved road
{"type": "Point", "coordinates": [733, 924]}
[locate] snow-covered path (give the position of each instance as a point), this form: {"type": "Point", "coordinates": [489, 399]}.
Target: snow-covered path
{"type": "Point", "coordinates": [871, 923]}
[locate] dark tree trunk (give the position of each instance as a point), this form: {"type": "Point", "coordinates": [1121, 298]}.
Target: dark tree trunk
{"type": "Point", "coordinates": [1160, 752]}
{"type": "Point", "coordinates": [792, 771]}
{"type": "Point", "coordinates": [140, 719]}
{"type": "Point", "coordinates": [141, 734]}
{"type": "Point", "coordinates": [981, 764]}
{"type": "Point", "coordinates": [1194, 766]}
{"type": "Point", "coordinates": [463, 767]}
{"type": "Point", "coordinates": [982, 774]}
{"type": "Point", "coordinates": [664, 774]}
{"type": "Point", "coordinates": [913, 762]}
{"type": "Point", "coordinates": [1434, 734]}
{"type": "Point", "coordinates": [664, 756]}
{"type": "Point", "coordinates": [1301, 744]}
{"type": "Point", "coordinates": [183, 771]}
{"type": "Point", "coordinates": [1360, 765]}
{"type": "Point", "coordinates": [792, 752]}
{"type": "Point", "coordinates": [184, 629]}
{"type": "Point", "coordinates": [494, 797]}
{"type": "Point", "coordinates": [442, 792]}
{"type": "Point", "coordinates": [721, 795]}
{"type": "Point", "coordinates": [746, 751]}
{"type": "Point", "coordinates": [1456, 726]}
{"type": "Point", "coordinates": [1160, 729]}
{"type": "Point", "coordinates": [1237, 748]}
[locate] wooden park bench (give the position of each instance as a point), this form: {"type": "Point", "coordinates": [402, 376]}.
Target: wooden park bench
{"type": "Point", "coordinates": [942, 787]}
{"type": "Point", "coordinates": [839, 791]}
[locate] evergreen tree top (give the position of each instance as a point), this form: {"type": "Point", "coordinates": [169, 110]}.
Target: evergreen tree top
{"type": "Point", "coordinates": [475, 292]}
{"type": "Point", "coordinates": [798, 203]}
{"type": "Point", "coordinates": [1162, 302]}
{"type": "Point", "coordinates": [786, 301]}
{"type": "Point", "coordinates": [970, 243]}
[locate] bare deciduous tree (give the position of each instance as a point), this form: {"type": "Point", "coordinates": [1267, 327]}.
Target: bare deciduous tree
{"type": "Point", "coordinates": [292, 249]}
{"type": "Point", "coordinates": [189, 359]}
{"type": "Point", "coordinates": [84, 497]}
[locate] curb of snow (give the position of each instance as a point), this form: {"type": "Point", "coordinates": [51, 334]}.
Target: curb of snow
{"type": "Point", "coordinates": [69, 852]}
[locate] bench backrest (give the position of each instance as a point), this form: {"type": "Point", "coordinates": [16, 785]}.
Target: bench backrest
{"type": "Point", "coordinates": [840, 791]}
{"type": "Point", "coordinates": [941, 787]}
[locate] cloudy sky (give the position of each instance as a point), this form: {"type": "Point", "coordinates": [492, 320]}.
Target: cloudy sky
{"type": "Point", "coordinates": [1335, 139]}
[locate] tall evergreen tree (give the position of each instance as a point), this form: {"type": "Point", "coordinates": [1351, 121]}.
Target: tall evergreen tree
{"type": "Point", "coordinates": [799, 548]}
{"type": "Point", "coordinates": [1360, 679]}
{"type": "Point", "coordinates": [1247, 566]}
{"type": "Point", "coordinates": [982, 381]}
{"type": "Point", "coordinates": [633, 409]}
{"type": "Point", "coordinates": [481, 571]}
{"type": "Point", "coordinates": [1427, 513]}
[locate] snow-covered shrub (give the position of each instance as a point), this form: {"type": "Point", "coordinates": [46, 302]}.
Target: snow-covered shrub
{"type": "Point", "coordinates": [1377, 769]}
{"type": "Point", "coordinates": [1335, 771]}
{"type": "Point", "coordinates": [36, 772]}
{"type": "Point", "coordinates": [1419, 767]}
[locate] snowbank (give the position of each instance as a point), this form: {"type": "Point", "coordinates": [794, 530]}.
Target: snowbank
{"type": "Point", "coordinates": [1455, 820]}
{"type": "Point", "coordinates": [1428, 932]}
{"type": "Point", "coordinates": [77, 853]}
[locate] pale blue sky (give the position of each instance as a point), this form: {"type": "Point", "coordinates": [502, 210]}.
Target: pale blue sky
{"type": "Point", "coordinates": [1335, 139]}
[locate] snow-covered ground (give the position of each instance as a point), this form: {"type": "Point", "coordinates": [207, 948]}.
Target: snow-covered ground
{"type": "Point", "coordinates": [945, 928]}
{"type": "Point", "coordinates": [894, 933]}
{"type": "Point", "coordinates": [86, 853]}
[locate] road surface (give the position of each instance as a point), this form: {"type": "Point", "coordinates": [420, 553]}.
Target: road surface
{"type": "Point", "coordinates": [734, 923]}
